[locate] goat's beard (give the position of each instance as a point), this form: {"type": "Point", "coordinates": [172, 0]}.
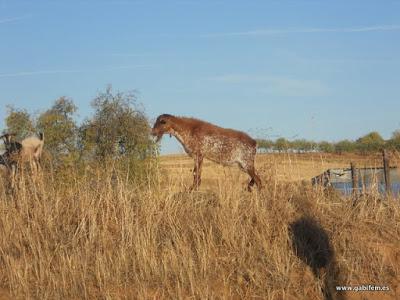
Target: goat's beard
{"type": "Point", "coordinates": [158, 138]}
{"type": "Point", "coordinates": [160, 135]}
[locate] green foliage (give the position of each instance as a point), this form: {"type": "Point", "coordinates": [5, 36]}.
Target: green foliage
{"type": "Point", "coordinates": [394, 142]}
{"type": "Point", "coordinates": [326, 147]}
{"type": "Point", "coordinates": [60, 130]}
{"type": "Point", "coordinates": [344, 146]}
{"type": "Point", "coordinates": [371, 142]}
{"type": "Point", "coordinates": [117, 135]}
{"type": "Point", "coordinates": [265, 145]}
{"type": "Point", "coordinates": [20, 122]}
{"type": "Point", "coordinates": [303, 145]}
{"type": "Point", "coordinates": [396, 135]}
{"type": "Point", "coordinates": [281, 144]}
{"type": "Point", "coordinates": [117, 129]}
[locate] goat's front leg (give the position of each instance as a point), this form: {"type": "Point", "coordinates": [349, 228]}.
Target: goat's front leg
{"type": "Point", "coordinates": [13, 175]}
{"type": "Point", "coordinates": [198, 162]}
{"type": "Point", "coordinates": [36, 167]}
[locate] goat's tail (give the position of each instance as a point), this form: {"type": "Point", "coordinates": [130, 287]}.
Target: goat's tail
{"type": "Point", "coordinates": [41, 136]}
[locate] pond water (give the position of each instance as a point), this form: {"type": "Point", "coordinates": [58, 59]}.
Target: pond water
{"type": "Point", "coordinates": [369, 180]}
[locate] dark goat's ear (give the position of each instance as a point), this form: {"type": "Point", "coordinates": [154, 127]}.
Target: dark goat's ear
{"type": "Point", "coordinates": [162, 122]}
{"type": "Point", "coordinates": [6, 137]}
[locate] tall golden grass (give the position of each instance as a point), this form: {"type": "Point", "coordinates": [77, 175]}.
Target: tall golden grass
{"type": "Point", "coordinates": [97, 235]}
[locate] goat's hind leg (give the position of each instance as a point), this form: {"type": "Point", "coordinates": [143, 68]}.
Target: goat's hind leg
{"type": "Point", "coordinates": [36, 168]}
{"type": "Point", "coordinates": [255, 179]}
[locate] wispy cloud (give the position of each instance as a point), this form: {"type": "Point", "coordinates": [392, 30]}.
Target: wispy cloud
{"type": "Point", "coordinates": [12, 20]}
{"type": "Point", "coordinates": [281, 31]}
{"type": "Point", "coordinates": [276, 85]}
{"type": "Point", "coordinates": [50, 72]}
{"type": "Point", "coordinates": [42, 72]}
{"type": "Point", "coordinates": [129, 54]}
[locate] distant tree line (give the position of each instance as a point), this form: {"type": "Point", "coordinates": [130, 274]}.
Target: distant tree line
{"type": "Point", "coordinates": [369, 143]}
{"type": "Point", "coordinates": [118, 130]}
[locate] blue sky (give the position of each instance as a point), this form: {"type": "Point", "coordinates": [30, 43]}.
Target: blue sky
{"type": "Point", "coordinates": [307, 69]}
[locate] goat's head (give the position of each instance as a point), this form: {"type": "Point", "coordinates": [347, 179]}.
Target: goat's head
{"type": "Point", "coordinates": [11, 145]}
{"type": "Point", "coordinates": [7, 138]}
{"type": "Point", "coordinates": [162, 125]}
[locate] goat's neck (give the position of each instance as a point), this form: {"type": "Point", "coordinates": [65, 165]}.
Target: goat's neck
{"type": "Point", "coordinates": [178, 132]}
{"type": "Point", "coordinates": [182, 136]}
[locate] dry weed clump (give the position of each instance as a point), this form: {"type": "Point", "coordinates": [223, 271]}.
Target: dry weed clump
{"type": "Point", "coordinates": [98, 235]}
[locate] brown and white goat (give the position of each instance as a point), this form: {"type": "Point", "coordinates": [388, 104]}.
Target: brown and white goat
{"type": "Point", "coordinates": [204, 140]}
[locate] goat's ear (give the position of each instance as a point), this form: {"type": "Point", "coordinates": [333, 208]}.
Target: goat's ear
{"type": "Point", "coordinates": [6, 138]}
{"type": "Point", "coordinates": [162, 121]}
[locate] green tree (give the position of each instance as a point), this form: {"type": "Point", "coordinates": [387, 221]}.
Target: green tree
{"type": "Point", "coordinates": [370, 142]}
{"type": "Point", "coordinates": [344, 146]}
{"type": "Point", "coordinates": [60, 130]}
{"type": "Point", "coordinates": [118, 128]}
{"type": "Point", "coordinates": [303, 145]}
{"type": "Point", "coordinates": [326, 147]}
{"type": "Point", "coordinates": [396, 134]}
{"type": "Point", "coordinates": [265, 145]}
{"type": "Point", "coordinates": [281, 144]}
{"type": "Point", "coordinates": [394, 142]}
{"type": "Point", "coordinates": [295, 145]}
{"type": "Point", "coordinates": [20, 122]}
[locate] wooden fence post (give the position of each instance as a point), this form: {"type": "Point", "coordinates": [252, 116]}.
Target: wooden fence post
{"type": "Point", "coordinates": [354, 178]}
{"type": "Point", "coordinates": [386, 170]}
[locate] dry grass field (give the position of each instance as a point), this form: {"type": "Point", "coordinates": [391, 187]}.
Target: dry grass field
{"type": "Point", "coordinates": [284, 167]}
{"type": "Point", "coordinates": [98, 236]}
